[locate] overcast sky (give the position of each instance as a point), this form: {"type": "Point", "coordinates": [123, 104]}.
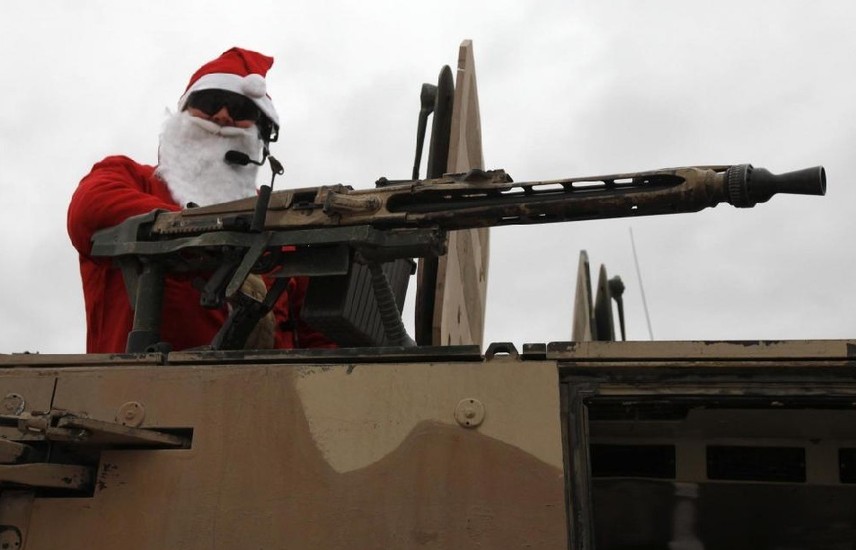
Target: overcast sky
{"type": "Point", "coordinates": [566, 89]}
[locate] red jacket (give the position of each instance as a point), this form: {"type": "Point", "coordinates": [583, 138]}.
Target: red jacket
{"type": "Point", "coordinates": [116, 189]}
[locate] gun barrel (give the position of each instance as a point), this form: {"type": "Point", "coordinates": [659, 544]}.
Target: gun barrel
{"type": "Point", "coordinates": [486, 199]}
{"type": "Point", "coordinates": [748, 185]}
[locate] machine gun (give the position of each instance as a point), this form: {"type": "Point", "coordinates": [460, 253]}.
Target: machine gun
{"type": "Point", "coordinates": [328, 227]}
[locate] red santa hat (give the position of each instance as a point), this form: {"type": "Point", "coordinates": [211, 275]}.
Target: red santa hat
{"type": "Point", "coordinates": [236, 70]}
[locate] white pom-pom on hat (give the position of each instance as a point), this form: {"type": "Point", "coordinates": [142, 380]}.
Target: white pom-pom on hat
{"type": "Point", "coordinates": [254, 86]}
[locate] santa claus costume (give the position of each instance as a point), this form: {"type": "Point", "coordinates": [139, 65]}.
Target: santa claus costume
{"type": "Point", "coordinates": [190, 169]}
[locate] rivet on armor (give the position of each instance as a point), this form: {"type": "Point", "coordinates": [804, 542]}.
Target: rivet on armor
{"type": "Point", "coordinates": [469, 412]}
{"type": "Point", "coordinates": [131, 414]}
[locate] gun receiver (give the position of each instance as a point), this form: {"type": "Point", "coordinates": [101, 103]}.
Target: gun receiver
{"type": "Point", "coordinates": [485, 199]}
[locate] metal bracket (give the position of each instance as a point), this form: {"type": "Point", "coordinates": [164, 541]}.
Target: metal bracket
{"type": "Point", "coordinates": [57, 425]}
{"type": "Point", "coordinates": [501, 348]}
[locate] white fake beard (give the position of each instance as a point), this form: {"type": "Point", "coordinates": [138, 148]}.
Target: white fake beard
{"type": "Point", "coordinates": [190, 160]}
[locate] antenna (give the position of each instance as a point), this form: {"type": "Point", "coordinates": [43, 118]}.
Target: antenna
{"type": "Point", "coordinates": [641, 286]}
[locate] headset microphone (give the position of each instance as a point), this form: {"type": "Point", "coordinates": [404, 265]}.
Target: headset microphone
{"type": "Point", "coordinates": [242, 159]}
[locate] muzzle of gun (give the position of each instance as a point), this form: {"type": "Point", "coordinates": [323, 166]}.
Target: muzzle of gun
{"type": "Point", "coordinates": [747, 186]}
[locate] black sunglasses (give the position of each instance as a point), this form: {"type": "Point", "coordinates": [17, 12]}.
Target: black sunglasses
{"type": "Point", "coordinates": [211, 101]}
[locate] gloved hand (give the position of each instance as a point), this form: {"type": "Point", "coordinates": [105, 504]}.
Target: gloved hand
{"type": "Point", "coordinates": [262, 337]}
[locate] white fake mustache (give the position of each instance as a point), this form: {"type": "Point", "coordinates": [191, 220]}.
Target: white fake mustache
{"type": "Point", "coordinates": [225, 131]}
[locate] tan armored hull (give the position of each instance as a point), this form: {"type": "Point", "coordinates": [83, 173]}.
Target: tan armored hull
{"type": "Point", "coordinates": [309, 455]}
{"type": "Point", "coordinates": [563, 445]}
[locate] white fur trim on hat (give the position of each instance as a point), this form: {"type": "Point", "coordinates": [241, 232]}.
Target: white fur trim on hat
{"type": "Point", "coordinates": [253, 86]}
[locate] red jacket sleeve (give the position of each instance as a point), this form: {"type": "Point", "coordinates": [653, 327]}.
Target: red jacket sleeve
{"type": "Point", "coordinates": [116, 189]}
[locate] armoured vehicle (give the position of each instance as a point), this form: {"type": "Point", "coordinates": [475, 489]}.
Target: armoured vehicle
{"type": "Point", "coordinates": [438, 443]}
